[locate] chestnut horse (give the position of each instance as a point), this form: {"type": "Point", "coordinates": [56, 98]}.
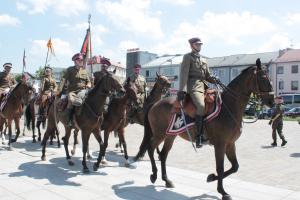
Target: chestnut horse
{"type": "Point", "coordinates": [222, 131]}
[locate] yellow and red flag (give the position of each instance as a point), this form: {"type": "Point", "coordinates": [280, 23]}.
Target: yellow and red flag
{"type": "Point", "coordinates": [50, 46]}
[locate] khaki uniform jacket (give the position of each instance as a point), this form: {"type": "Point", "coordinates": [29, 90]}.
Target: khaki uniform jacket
{"type": "Point", "coordinates": [75, 80]}
{"type": "Point", "coordinates": [193, 68]}
{"type": "Point", "coordinates": [49, 85]}
{"type": "Point", "coordinates": [7, 80]}
{"type": "Point", "coordinates": [277, 111]}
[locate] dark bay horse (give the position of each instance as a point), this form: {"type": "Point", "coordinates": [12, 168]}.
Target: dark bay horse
{"type": "Point", "coordinates": [222, 132]}
{"type": "Point", "coordinates": [33, 121]}
{"type": "Point", "coordinates": [87, 118]}
{"type": "Point", "coordinates": [13, 108]}
{"type": "Point", "coordinates": [115, 119]}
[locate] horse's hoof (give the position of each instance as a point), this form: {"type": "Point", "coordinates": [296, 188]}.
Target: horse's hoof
{"type": "Point", "coordinates": [72, 152]}
{"type": "Point", "coordinates": [43, 158]}
{"type": "Point", "coordinates": [4, 143]}
{"type": "Point", "coordinates": [34, 141]}
{"type": "Point", "coordinates": [169, 184]}
{"type": "Point", "coordinates": [122, 151]}
{"type": "Point", "coordinates": [226, 197]}
{"type": "Point", "coordinates": [127, 164]}
{"type": "Point", "coordinates": [103, 161]}
{"type": "Point", "coordinates": [153, 178]}
{"type": "Point", "coordinates": [211, 178]}
{"type": "Point", "coordinates": [13, 140]}
{"type": "Point", "coordinates": [58, 146]}
{"type": "Point", "coordinates": [117, 145]}
{"type": "Point", "coordinates": [71, 163]}
{"type": "Point", "coordinates": [39, 139]}
{"type": "Point", "coordinates": [51, 143]}
{"type": "Point", "coordinates": [86, 171]}
{"type": "Point", "coordinates": [89, 157]}
{"type": "Point", "coordinates": [10, 148]}
{"type": "Point", "coordinates": [95, 167]}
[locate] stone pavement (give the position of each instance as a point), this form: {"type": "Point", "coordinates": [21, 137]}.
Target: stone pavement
{"type": "Point", "coordinates": [24, 176]}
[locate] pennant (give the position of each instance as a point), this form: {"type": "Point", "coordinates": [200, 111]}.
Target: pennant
{"type": "Point", "coordinates": [50, 47]}
{"type": "Point", "coordinates": [86, 45]}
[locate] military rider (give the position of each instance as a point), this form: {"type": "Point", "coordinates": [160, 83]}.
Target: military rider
{"type": "Point", "coordinates": [140, 83]}
{"type": "Point", "coordinates": [7, 80]}
{"type": "Point", "coordinates": [77, 82]}
{"type": "Point", "coordinates": [48, 86]}
{"type": "Point", "coordinates": [105, 64]}
{"type": "Point", "coordinates": [193, 74]}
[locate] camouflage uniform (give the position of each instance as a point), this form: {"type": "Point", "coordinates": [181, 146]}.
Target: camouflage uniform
{"type": "Point", "coordinates": [277, 124]}
{"type": "Point", "coordinates": [140, 83]}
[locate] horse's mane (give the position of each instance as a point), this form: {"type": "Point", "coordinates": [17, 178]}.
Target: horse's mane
{"type": "Point", "coordinates": [153, 89]}
{"type": "Point", "coordinates": [237, 79]}
{"type": "Point", "coordinates": [95, 89]}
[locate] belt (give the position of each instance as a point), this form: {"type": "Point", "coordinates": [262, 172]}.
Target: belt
{"type": "Point", "coordinates": [195, 77]}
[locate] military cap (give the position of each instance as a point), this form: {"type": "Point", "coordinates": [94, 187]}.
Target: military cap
{"type": "Point", "coordinates": [48, 68]}
{"type": "Point", "coordinates": [105, 61]}
{"type": "Point", "coordinates": [77, 56]}
{"type": "Point", "coordinates": [195, 40]}
{"type": "Point", "coordinates": [7, 65]}
{"type": "Point", "coordinates": [278, 100]}
{"type": "Point", "coordinates": [137, 66]}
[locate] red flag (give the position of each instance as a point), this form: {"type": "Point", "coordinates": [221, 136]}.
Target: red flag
{"type": "Point", "coordinates": [86, 46]}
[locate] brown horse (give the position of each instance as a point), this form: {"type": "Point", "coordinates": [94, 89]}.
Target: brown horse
{"type": "Point", "coordinates": [222, 132]}
{"type": "Point", "coordinates": [13, 108]}
{"type": "Point", "coordinates": [88, 117]}
{"type": "Point", "coordinates": [115, 119]}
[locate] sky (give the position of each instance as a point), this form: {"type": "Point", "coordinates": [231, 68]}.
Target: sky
{"type": "Point", "coordinates": [226, 27]}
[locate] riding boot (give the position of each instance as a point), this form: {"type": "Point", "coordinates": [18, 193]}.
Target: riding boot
{"type": "Point", "coordinates": [274, 144]}
{"type": "Point", "coordinates": [199, 134]}
{"type": "Point", "coordinates": [70, 112]}
{"type": "Point", "coordinates": [283, 143]}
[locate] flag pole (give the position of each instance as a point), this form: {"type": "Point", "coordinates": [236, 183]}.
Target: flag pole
{"type": "Point", "coordinates": [23, 62]}
{"type": "Point", "coordinates": [90, 44]}
{"type": "Point", "coordinates": [47, 57]}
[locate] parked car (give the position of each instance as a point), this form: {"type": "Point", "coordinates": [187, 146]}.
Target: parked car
{"type": "Point", "coordinates": [294, 112]}
{"type": "Point", "coordinates": [265, 113]}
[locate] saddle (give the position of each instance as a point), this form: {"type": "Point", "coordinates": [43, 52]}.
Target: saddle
{"type": "Point", "coordinates": [62, 104]}
{"type": "Point", "coordinates": [190, 108]}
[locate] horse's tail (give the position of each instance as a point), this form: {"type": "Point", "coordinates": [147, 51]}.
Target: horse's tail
{"type": "Point", "coordinates": [28, 116]}
{"type": "Point", "coordinates": [146, 139]}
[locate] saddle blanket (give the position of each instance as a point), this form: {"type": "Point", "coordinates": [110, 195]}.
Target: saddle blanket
{"type": "Point", "coordinates": [177, 126]}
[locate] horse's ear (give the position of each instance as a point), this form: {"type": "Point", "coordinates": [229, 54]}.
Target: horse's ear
{"type": "Point", "coordinates": [258, 64]}
{"type": "Point", "coordinates": [115, 70]}
{"type": "Point", "coordinates": [157, 75]}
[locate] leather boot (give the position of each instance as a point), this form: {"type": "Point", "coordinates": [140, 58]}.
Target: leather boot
{"type": "Point", "coordinates": [70, 112]}
{"type": "Point", "coordinates": [199, 136]}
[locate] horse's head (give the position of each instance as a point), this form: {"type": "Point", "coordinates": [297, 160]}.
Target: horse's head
{"type": "Point", "coordinates": [163, 82]}
{"type": "Point", "coordinates": [131, 90]}
{"type": "Point", "coordinates": [111, 83]}
{"type": "Point", "coordinates": [24, 91]}
{"type": "Point", "coordinates": [262, 87]}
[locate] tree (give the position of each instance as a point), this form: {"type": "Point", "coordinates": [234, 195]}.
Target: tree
{"type": "Point", "coordinates": [18, 77]}
{"type": "Point", "coordinates": [39, 73]}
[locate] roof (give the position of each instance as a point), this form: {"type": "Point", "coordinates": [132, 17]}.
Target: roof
{"type": "Point", "coordinates": [224, 61]}
{"type": "Point", "coordinates": [291, 55]}
{"type": "Point", "coordinates": [242, 59]}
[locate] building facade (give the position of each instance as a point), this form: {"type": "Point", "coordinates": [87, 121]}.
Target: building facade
{"type": "Point", "coordinates": [135, 56]}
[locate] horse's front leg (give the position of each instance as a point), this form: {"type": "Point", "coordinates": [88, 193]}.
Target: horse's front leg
{"type": "Point", "coordinates": [38, 125]}
{"type": "Point", "coordinates": [75, 132]}
{"type": "Point", "coordinates": [85, 135]}
{"type": "Point", "coordinates": [10, 140]}
{"type": "Point", "coordinates": [102, 150]}
{"type": "Point", "coordinates": [219, 156]}
{"type": "Point", "coordinates": [33, 130]}
{"type": "Point", "coordinates": [123, 143]}
{"type": "Point", "coordinates": [66, 143]}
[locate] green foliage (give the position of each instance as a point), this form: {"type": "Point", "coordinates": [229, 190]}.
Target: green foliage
{"type": "Point", "coordinates": [18, 77]}
{"type": "Point", "coordinates": [39, 73]}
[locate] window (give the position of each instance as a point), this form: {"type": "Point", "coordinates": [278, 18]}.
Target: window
{"type": "Point", "coordinates": [234, 73]}
{"type": "Point", "coordinates": [297, 99]}
{"type": "Point", "coordinates": [287, 99]}
{"type": "Point", "coordinates": [280, 85]}
{"type": "Point", "coordinates": [294, 85]}
{"type": "Point", "coordinates": [279, 70]}
{"type": "Point", "coordinates": [147, 73]}
{"type": "Point", "coordinates": [168, 71]}
{"type": "Point", "coordinates": [221, 72]}
{"type": "Point", "coordinates": [294, 69]}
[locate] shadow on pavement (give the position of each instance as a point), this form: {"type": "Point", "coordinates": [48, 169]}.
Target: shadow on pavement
{"type": "Point", "coordinates": [57, 172]}
{"type": "Point", "coordinates": [295, 155]}
{"type": "Point", "coordinates": [128, 190]}
{"type": "Point", "coordinates": [267, 147]}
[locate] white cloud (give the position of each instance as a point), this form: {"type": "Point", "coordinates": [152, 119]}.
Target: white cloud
{"type": "Point", "coordinates": [277, 41]}
{"type": "Point", "coordinates": [231, 28]}
{"type": "Point", "coordinates": [60, 7]}
{"type": "Point", "coordinates": [127, 44]}
{"type": "Point", "coordinates": [21, 6]}
{"type": "Point", "coordinates": [7, 20]}
{"type": "Point", "coordinates": [131, 15]}
{"type": "Point", "coordinates": [293, 18]}
{"type": "Point", "coordinates": [62, 49]}
{"type": "Point", "coordinates": [181, 2]}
